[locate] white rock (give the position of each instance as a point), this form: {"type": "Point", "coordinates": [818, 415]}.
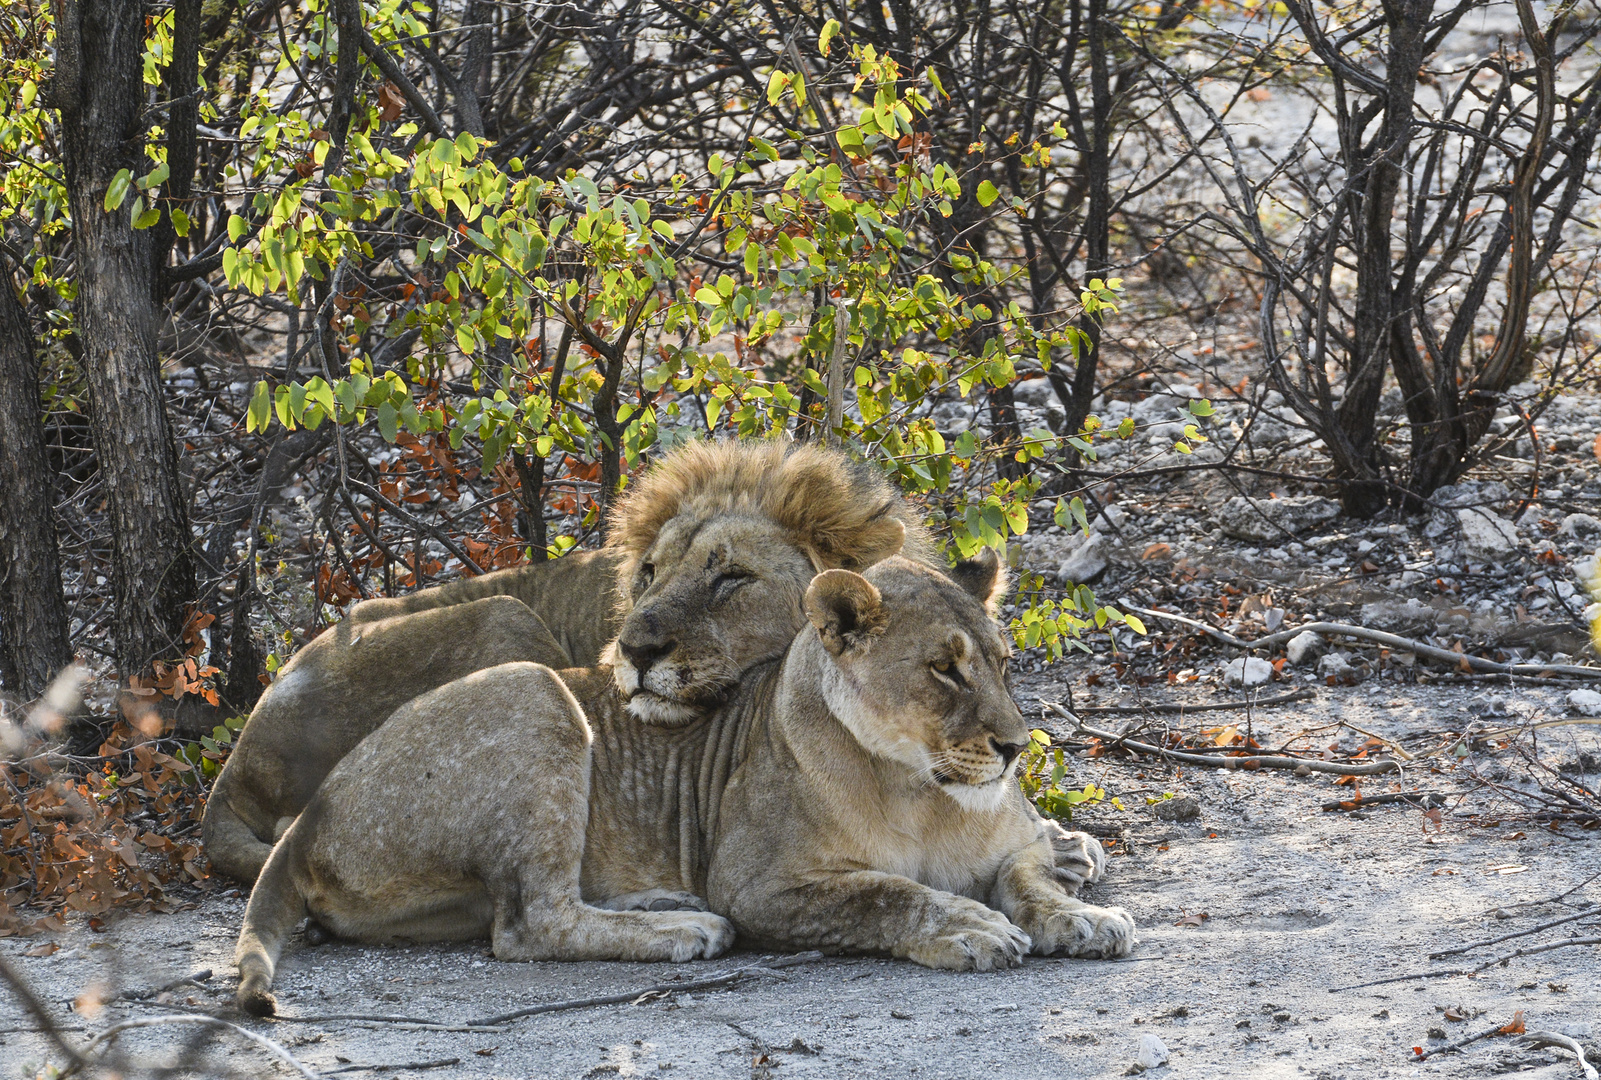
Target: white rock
{"type": "Point", "coordinates": [1335, 664]}
{"type": "Point", "coordinates": [1486, 534]}
{"type": "Point", "coordinates": [1584, 702]}
{"type": "Point", "coordinates": [1086, 563]}
{"type": "Point", "coordinates": [1247, 671]}
{"type": "Point", "coordinates": [1266, 520]}
{"type": "Point", "coordinates": [1305, 647]}
{"type": "Point", "coordinates": [1579, 525]}
{"type": "Point", "coordinates": [1152, 1054]}
{"type": "Point", "coordinates": [1397, 617]}
{"type": "Point", "coordinates": [1036, 392]}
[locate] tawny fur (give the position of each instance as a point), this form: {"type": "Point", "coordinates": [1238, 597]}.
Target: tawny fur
{"type": "Point", "coordinates": [823, 507]}
{"type": "Point", "coordinates": [806, 828]}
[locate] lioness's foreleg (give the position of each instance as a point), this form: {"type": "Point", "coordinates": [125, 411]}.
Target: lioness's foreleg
{"type": "Point", "coordinates": [868, 911]}
{"type": "Point", "coordinates": [1027, 891]}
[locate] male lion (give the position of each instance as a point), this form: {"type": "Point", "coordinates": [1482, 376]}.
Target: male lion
{"type": "Point", "coordinates": [771, 513]}
{"type": "Point", "coordinates": [858, 795]}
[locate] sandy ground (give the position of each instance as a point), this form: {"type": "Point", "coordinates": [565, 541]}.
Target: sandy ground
{"type": "Point", "coordinates": [1298, 902]}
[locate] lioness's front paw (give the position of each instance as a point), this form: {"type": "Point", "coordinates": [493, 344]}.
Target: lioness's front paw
{"type": "Point", "coordinates": [1080, 859]}
{"type": "Point", "coordinates": [692, 935]}
{"type": "Point", "coordinates": [655, 900]}
{"type": "Point", "coordinates": [1094, 933]}
{"type": "Point", "coordinates": [981, 940]}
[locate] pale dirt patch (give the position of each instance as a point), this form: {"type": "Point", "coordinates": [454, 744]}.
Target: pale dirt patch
{"type": "Point", "coordinates": [1297, 901]}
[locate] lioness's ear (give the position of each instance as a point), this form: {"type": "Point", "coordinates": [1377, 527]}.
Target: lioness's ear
{"type": "Point", "coordinates": [845, 608]}
{"type": "Point", "coordinates": [981, 577]}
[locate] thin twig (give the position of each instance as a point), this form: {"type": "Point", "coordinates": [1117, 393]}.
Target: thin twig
{"type": "Point", "coordinates": [1216, 706]}
{"type": "Point", "coordinates": [1423, 799]}
{"type": "Point", "coordinates": [1394, 641]}
{"type": "Point", "coordinates": [1459, 950]}
{"type": "Point", "coordinates": [141, 995]}
{"type": "Point", "coordinates": [410, 1066]}
{"type": "Point", "coordinates": [265, 1043]}
{"type": "Point", "coordinates": [41, 1015]}
{"type": "Point", "coordinates": [1459, 1044]}
{"type": "Point", "coordinates": [1497, 961]}
{"type": "Point", "coordinates": [712, 982]}
{"type": "Point", "coordinates": [1243, 762]}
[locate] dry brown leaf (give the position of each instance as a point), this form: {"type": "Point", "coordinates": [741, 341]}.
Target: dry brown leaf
{"type": "Point", "coordinates": [1515, 1027]}
{"type": "Point", "coordinates": [46, 949]}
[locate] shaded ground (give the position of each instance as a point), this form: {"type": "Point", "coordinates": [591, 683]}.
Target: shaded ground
{"type": "Point", "coordinates": [1297, 901]}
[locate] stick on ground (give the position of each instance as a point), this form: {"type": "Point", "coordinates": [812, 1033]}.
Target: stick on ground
{"type": "Point", "coordinates": [1441, 955]}
{"type": "Point", "coordinates": [727, 978]}
{"type": "Point", "coordinates": [1537, 1040]}
{"type": "Point", "coordinates": [1394, 641]}
{"type": "Point", "coordinates": [1253, 761]}
{"type": "Point", "coordinates": [1213, 706]}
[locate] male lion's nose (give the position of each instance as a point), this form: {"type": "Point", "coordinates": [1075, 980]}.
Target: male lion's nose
{"type": "Point", "coordinates": [644, 655]}
{"type": "Point", "coordinates": [1006, 750]}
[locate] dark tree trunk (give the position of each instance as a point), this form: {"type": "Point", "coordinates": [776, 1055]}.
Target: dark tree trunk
{"type": "Point", "coordinates": [33, 611]}
{"type": "Point", "coordinates": [1362, 491]}
{"type": "Point", "coordinates": [152, 572]}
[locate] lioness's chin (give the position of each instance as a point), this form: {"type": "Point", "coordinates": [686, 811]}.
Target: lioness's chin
{"type": "Point", "coordinates": [979, 797]}
{"type": "Point", "coordinates": [647, 708]}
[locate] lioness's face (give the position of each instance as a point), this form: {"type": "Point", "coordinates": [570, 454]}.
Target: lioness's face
{"type": "Point", "coordinates": [710, 599]}
{"type": "Point", "coordinates": [919, 674]}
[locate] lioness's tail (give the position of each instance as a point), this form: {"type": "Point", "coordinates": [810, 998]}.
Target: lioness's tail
{"type": "Point", "coordinates": [276, 908]}
{"type": "Point", "coordinates": [234, 850]}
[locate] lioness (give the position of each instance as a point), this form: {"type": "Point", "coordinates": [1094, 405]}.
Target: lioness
{"type": "Point", "coordinates": [772, 513]}
{"type": "Point", "coordinates": [858, 795]}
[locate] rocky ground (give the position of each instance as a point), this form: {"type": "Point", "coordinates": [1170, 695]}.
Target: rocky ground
{"type": "Point", "coordinates": [1255, 906]}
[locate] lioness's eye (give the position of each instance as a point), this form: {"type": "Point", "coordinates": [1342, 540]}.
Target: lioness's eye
{"type": "Point", "coordinates": [942, 666]}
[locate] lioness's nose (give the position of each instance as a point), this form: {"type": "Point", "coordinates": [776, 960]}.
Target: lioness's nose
{"type": "Point", "coordinates": [644, 655]}
{"type": "Point", "coordinates": [1006, 750]}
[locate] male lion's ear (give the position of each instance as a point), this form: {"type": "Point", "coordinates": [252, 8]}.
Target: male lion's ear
{"type": "Point", "coordinates": [981, 577]}
{"type": "Point", "coordinates": [845, 608]}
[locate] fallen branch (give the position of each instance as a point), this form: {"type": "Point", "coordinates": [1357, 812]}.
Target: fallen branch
{"type": "Point", "coordinates": [1567, 721]}
{"type": "Point", "coordinates": [1424, 1055]}
{"type": "Point", "coordinates": [1539, 1040]}
{"type": "Point", "coordinates": [1220, 706]}
{"type": "Point", "coordinates": [410, 1066]}
{"type": "Point", "coordinates": [1496, 962]}
{"type": "Point", "coordinates": [409, 1022]}
{"type": "Point", "coordinates": [712, 982]}
{"type": "Point", "coordinates": [111, 1033]}
{"type": "Point", "coordinates": [1380, 637]}
{"type": "Point", "coordinates": [1517, 934]}
{"type": "Point", "coordinates": [196, 979]}
{"type": "Point", "coordinates": [1250, 761]}
{"type": "Point", "coordinates": [1422, 799]}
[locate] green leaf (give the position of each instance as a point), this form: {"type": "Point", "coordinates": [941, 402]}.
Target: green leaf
{"type": "Point", "coordinates": [1134, 624]}
{"type": "Point", "coordinates": [118, 190]}
{"type": "Point", "coordinates": [388, 422]}
{"type": "Point", "coordinates": [776, 84]}
{"type": "Point", "coordinates": [260, 412]}
{"type": "Point", "coordinates": [180, 222]}
{"type": "Point", "coordinates": [1201, 407]}
{"type": "Point", "coordinates": [237, 227]}
{"type": "Point", "coordinates": [708, 296]}
{"type": "Point", "coordinates": [144, 218]}
{"type": "Point", "coordinates": [987, 193]}
{"type": "Point", "coordinates": [830, 29]}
